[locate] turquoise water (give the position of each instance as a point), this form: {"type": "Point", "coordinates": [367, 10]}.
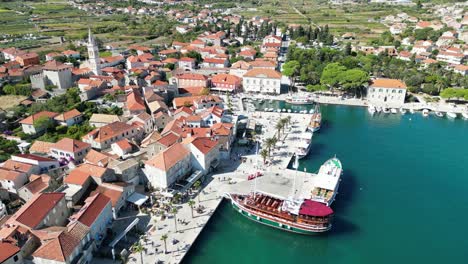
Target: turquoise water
{"type": "Point", "coordinates": [403, 198]}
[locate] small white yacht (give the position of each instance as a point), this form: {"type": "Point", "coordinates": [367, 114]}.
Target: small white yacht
{"type": "Point", "coordinates": [378, 109]}
{"type": "Point", "coordinates": [386, 110]}
{"type": "Point", "coordinates": [327, 181]}
{"type": "Point", "coordinates": [465, 115]}
{"type": "Point", "coordinates": [371, 109]}
{"type": "Point", "coordinates": [439, 114]}
{"type": "Point", "coordinates": [425, 112]}
{"type": "Point", "coordinates": [393, 110]}
{"type": "Point", "coordinates": [403, 111]}
{"type": "Point", "coordinates": [289, 110]}
{"type": "Point", "coordinates": [304, 144]}
{"type": "Point", "coordinates": [411, 111]}
{"type": "Point", "coordinates": [452, 115]}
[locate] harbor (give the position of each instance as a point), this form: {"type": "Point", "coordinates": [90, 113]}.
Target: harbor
{"type": "Point", "coordinates": [372, 208]}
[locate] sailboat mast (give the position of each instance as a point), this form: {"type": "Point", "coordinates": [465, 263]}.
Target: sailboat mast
{"type": "Point", "coordinates": [296, 165]}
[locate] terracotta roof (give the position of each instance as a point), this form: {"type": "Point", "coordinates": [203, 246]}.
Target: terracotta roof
{"type": "Point", "coordinates": [10, 175]}
{"type": "Point", "coordinates": [38, 184]}
{"type": "Point", "coordinates": [55, 66]}
{"type": "Point", "coordinates": [247, 53]}
{"type": "Point", "coordinates": [169, 157]}
{"type": "Point", "coordinates": [124, 144]}
{"type": "Point", "coordinates": [135, 102]}
{"type": "Point", "coordinates": [30, 119]}
{"type": "Point", "coordinates": [7, 250]}
{"type": "Point", "coordinates": [216, 111]}
{"type": "Point", "coordinates": [71, 145]}
{"type": "Point", "coordinates": [95, 157]}
{"type": "Point", "coordinates": [205, 145]}
{"type": "Point", "coordinates": [263, 73]}
{"type": "Point", "coordinates": [17, 166]}
{"type": "Point", "coordinates": [109, 131]}
{"type": "Point", "coordinates": [80, 174]}
{"type": "Point", "coordinates": [225, 78]}
{"type": "Point", "coordinates": [192, 76]}
{"type": "Point", "coordinates": [181, 101]}
{"type": "Point", "coordinates": [222, 129]}
{"type": "Point", "coordinates": [214, 60]}
{"type": "Point", "coordinates": [62, 243]}
{"type": "Point", "coordinates": [262, 64]}
{"type": "Point", "coordinates": [33, 157]}
{"type": "Point", "coordinates": [187, 59]}
{"type": "Point", "coordinates": [168, 51]}
{"type": "Point", "coordinates": [168, 140]}
{"type": "Point", "coordinates": [92, 208]}
{"type": "Point", "coordinates": [33, 212]}
{"type": "Point", "coordinates": [114, 192]}
{"type": "Point", "coordinates": [388, 83]}
{"type": "Point", "coordinates": [184, 109]}
{"type": "Point", "coordinates": [242, 65]}
{"type": "Point", "coordinates": [68, 115]}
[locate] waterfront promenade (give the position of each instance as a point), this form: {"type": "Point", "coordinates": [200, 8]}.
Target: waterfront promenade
{"type": "Point", "coordinates": [231, 175]}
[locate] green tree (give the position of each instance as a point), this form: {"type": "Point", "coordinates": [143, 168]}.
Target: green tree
{"type": "Point", "coordinates": [138, 248]}
{"type": "Point", "coordinates": [43, 123]}
{"type": "Point", "coordinates": [279, 126]}
{"type": "Point", "coordinates": [197, 186]}
{"type": "Point", "coordinates": [291, 69]}
{"type": "Point", "coordinates": [354, 80]}
{"type": "Point", "coordinates": [331, 75]}
{"type": "Point", "coordinates": [174, 212]}
{"type": "Point", "coordinates": [191, 203]}
{"type": "Point", "coordinates": [264, 154]}
{"type": "Point", "coordinates": [164, 239]}
{"type": "Point", "coordinates": [7, 148]}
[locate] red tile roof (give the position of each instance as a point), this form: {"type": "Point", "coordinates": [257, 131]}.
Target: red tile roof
{"type": "Point", "coordinates": [169, 157]}
{"type": "Point", "coordinates": [7, 250]}
{"type": "Point", "coordinates": [17, 166]}
{"type": "Point", "coordinates": [68, 115]}
{"type": "Point", "coordinates": [62, 242]}
{"type": "Point", "coordinates": [168, 140]}
{"type": "Point", "coordinates": [124, 144]}
{"type": "Point", "coordinates": [71, 145]}
{"type": "Point", "coordinates": [95, 157]}
{"type": "Point", "coordinates": [30, 119]}
{"type": "Point", "coordinates": [388, 83]}
{"type": "Point", "coordinates": [94, 205]}
{"type": "Point", "coordinates": [39, 184]}
{"type": "Point", "coordinates": [192, 76]}
{"type": "Point", "coordinates": [34, 211]}
{"type": "Point", "coordinates": [109, 131]}
{"type": "Point", "coordinates": [9, 175]}
{"type": "Point", "coordinates": [263, 73]}
{"type": "Point", "coordinates": [135, 102]}
{"type": "Point", "coordinates": [224, 78]}
{"type": "Point", "coordinates": [205, 145]}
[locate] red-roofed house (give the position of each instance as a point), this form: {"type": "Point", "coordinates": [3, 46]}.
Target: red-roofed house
{"type": "Point", "coordinates": [186, 63]}
{"type": "Point", "coordinates": [27, 59]}
{"type": "Point", "coordinates": [135, 104]}
{"type": "Point", "coordinates": [161, 144]}
{"type": "Point", "coordinates": [10, 253]}
{"type": "Point", "coordinates": [70, 244]}
{"type": "Point", "coordinates": [190, 80]}
{"type": "Point", "coordinates": [103, 137]}
{"type": "Point", "coordinates": [69, 118]}
{"type": "Point", "coordinates": [122, 147]}
{"type": "Point", "coordinates": [44, 209]}
{"type": "Point", "coordinates": [168, 166]}
{"type": "Point", "coordinates": [45, 164]}
{"type": "Point", "coordinates": [204, 154]}
{"type": "Point", "coordinates": [118, 193]}
{"type": "Point", "coordinates": [27, 168]}
{"type": "Point", "coordinates": [387, 92]}
{"type": "Point", "coordinates": [37, 184]}
{"type": "Point", "coordinates": [68, 149]}
{"type": "Point", "coordinates": [215, 63]}
{"type": "Point", "coordinates": [30, 125]}
{"type": "Point", "coordinates": [226, 82]}
{"type": "Point", "coordinates": [262, 81]}
{"type": "Point", "coordinates": [12, 180]}
{"type": "Point", "coordinates": [96, 214]}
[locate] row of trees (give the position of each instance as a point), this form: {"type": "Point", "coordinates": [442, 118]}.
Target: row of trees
{"type": "Point", "coordinates": [270, 143]}
{"type": "Point", "coordinates": [310, 65]}
{"type": "Point", "coordinates": [309, 34]}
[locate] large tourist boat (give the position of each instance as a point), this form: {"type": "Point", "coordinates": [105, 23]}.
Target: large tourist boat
{"type": "Point", "coordinates": [299, 100]}
{"type": "Point", "coordinates": [304, 144]}
{"type": "Point", "coordinates": [302, 216]}
{"type": "Point", "coordinates": [316, 120]}
{"type": "Point", "coordinates": [327, 181]}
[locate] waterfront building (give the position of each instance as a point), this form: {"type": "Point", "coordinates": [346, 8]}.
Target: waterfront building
{"type": "Point", "coordinates": [265, 81]}
{"type": "Point", "coordinates": [386, 92]}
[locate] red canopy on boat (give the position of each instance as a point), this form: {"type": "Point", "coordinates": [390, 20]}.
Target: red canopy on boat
{"type": "Point", "coordinates": [313, 208]}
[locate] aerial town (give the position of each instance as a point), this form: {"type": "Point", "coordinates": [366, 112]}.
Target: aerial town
{"type": "Point", "coordinates": [121, 152]}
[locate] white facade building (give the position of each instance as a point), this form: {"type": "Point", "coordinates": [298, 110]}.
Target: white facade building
{"type": "Point", "coordinates": [386, 93]}
{"type": "Point", "coordinates": [264, 81]}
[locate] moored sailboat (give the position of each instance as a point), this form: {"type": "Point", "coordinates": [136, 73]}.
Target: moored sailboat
{"type": "Point", "coordinates": [315, 120]}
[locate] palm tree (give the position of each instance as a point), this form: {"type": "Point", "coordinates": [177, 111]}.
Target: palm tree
{"type": "Point", "coordinates": [288, 120]}
{"type": "Point", "coordinates": [270, 142]}
{"type": "Point", "coordinates": [278, 128]}
{"type": "Point", "coordinates": [264, 154]}
{"type": "Point", "coordinates": [138, 248]}
{"type": "Point", "coordinates": [164, 238]}
{"type": "Point", "coordinates": [174, 212]}
{"type": "Point", "coordinates": [197, 186]}
{"type": "Point", "coordinates": [191, 203]}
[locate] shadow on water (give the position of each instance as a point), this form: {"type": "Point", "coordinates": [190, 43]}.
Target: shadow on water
{"type": "Point", "coordinates": [347, 190]}
{"type": "Point", "coordinates": [343, 226]}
